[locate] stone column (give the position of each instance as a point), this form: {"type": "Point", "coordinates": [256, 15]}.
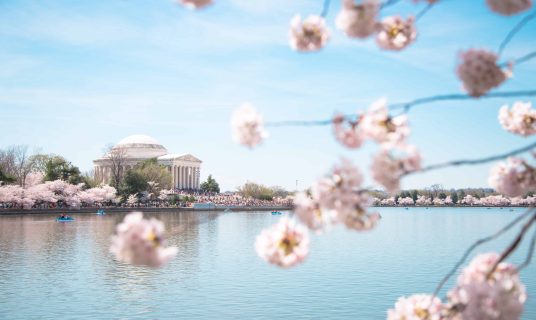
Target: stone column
{"type": "Point", "coordinates": [182, 177]}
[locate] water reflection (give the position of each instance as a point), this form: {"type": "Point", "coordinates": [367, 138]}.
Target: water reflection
{"type": "Point", "coordinates": [45, 264]}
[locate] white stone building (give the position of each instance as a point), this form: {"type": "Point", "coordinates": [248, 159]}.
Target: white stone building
{"type": "Point", "coordinates": [185, 169]}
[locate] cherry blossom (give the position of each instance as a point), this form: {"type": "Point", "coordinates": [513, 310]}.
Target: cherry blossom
{"type": "Point", "coordinates": [438, 202]}
{"type": "Point", "coordinates": [479, 72]}
{"type": "Point", "coordinates": [308, 35]}
{"type": "Point", "coordinates": [139, 241]}
{"type": "Point", "coordinates": [378, 125]}
{"type": "Point", "coordinates": [388, 201]}
{"type": "Point", "coordinates": [358, 20]}
{"type": "Point", "coordinates": [395, 33]}
{"type": "Point", "coordinates": [349, 135]}
{"type": "Point", "coordinates": [247, 126]}
{"type": "Point", "coordinates": [509, 7]}
{"type": "Point", "coordinates": [311, 214]}
{"type": "Point", "coordinates": [337, 198]}
{"type": "Point", "coordinates": [483, 296]}
{"type": "Point", "coordinates": [407, 201]}
{"type": "Point", "coordinates": [285, 244]}
{"type": "Point", "coordinates": [423, 201]}
{"type": "Point", "coordinates": [513, 177]}
{"type": "Point", "coordinates": [495, 201]}
{"type": "Point", "coordinates": [470, 200]}
{"type": "Point", "coordinates": [195, 4]}
{"type": "Point", "coordinates": [520, 119]}
{"type": "Point", "coordinates": [448, 201]}
{"type": "Point", "coordinates": [388, 167]}
{"type": "Point", "coordinates": [132, 199]}
{"type": "Point", "coordinates": [416, 307]}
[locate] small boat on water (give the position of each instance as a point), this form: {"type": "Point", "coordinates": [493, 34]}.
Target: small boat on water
{"type": "Point", "coordinates": [276, 213]}
{"type": "Point", "coordinates": [101, 212]}
{"type": "Point", "coordinates": [64, 219]}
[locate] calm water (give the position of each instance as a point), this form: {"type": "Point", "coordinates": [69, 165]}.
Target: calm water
{"type": "Point", "coordinates": [51, 270]}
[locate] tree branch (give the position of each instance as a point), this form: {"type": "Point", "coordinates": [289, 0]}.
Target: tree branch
{"type": "Point", "coordinates": [529, 254]}
{"type": "Point", "coordinates": [513, 246]}
{"type": "Point", "coordinates": [478, 243]}
{"type": "Point", "coordinates": [475, 161]}
{"type": "Point", "coordinates": [513, 32]}
{"type": "Point", "coordinates": [406, 106]}
{"type": "Point", "coordinates": [325, 8]}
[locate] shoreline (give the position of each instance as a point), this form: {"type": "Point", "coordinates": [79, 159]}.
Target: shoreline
{"type": "Point", "coordinates": [93, 210]}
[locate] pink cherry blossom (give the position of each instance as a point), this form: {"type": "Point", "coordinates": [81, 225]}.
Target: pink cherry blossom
{"type": "Point", "coordinates": [416, 307]}
{"type": "Point", "coordinates": [285, 244]}
{"type": "Point", "coordinates": [448, 200]}
{"type": "Point", "coordinates": [379, 126]}
{"type": "Point", "coordinates": [311, 214]}
{"type": "Point", "coordinates": [195, 4]}
{"type": "Point", "coordinates": [470, 200]}
{"type": "Point", "coordinates": [395, 33]}
{"type": "Point", "coordinates": [308, 35]}
{"type": "Point", "coordinates": [247, 126]}
{"type": "Point", "coordinates": [347, 133]}
{"type": "Point", "coordinates": [509, 7]}
{"type": "Point", "coordinates": [358, 20]}
{"type": "Point", "coordinates": [513, 177]}
{"type": "Point", "coordinates": [423, 201]}
{"type": "Point", "coordinates": [520, 119]}
{"type": "Point", "coordinates": [337, 198]}
{"type": "Point", "coordinates": [388, 201]}
{"type": "Point", "coordinates": [407, 201]}
{"type": "Point", "coordinates": [479, 72]}
{"type": "Point", "coordinates": [140, 241]}
{"type": "Point", "coordinates": [388, 167]}
{"type": "Point", "coordinates": [480, 296]}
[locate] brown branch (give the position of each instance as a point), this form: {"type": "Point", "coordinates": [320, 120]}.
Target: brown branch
{"type": "Point", "coordinates": [478, 243]}
{"type": "Point", "coordinates": [513, 246]}
{"type": "Point", "coordinates": [475, 161]}
{"type": "Point", "coordinates": [529, 254]}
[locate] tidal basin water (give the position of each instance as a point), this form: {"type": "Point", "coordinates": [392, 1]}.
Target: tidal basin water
{"type": "Point", "coordinates": [51, 270]}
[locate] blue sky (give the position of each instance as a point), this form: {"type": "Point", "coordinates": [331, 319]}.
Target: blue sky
{"type": "Point", "coordinates": [78, 75]}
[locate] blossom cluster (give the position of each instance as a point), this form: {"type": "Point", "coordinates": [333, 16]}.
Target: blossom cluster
{"type": "Point", "coordinates": [247, 125]}
{"type": "Point", "coordinates": [336, 198]}
{"type": "Point", "coordinates": [515, 177]}
{"type": "Point", "coordinates": [479, 71]}
{"type": "Point", "coordinates": [52, 192]}
{"type": "Point", "coordinates": [356, 21]}
{"type": "Point", "coordinates": [520, 119]}
{"type": "Point", "coordinates": [509, 7]}
{"type": "Point", "coordinates": [140, 241]}
{"type": "Point", "coordinates": [480, 294]}
{"type": "Point", "coordinates": [468, 200]}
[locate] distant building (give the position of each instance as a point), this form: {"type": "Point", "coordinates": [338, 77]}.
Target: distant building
{"type": "Point", "coordinates": [185, 169]}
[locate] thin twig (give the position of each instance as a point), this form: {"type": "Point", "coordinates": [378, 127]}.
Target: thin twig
{"type": "Point", "coordinates": [475, 161]}
{"type": "Point", "coordinates": [325, 8]}
{"type": "Point", "coordinates": [524, 58]}
{"type": "Point", "coordinates": [515, 30]}
{"type": "Point", "coordinates": [424, 11]}
{"type": "Point", "coordinates": [475, 245]}
{"type": "Point", "coordinates": [529, 254]}
{"type": "Point", "coordinates": [406, 106]}
{"type": "Point", "coordinates": [513, 246]}
{"type": "Point", "coordinates": [388, 3]}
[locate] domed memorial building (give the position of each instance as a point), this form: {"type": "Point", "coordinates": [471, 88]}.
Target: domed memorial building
{"type": "Point", "coordinates": [185, 169]}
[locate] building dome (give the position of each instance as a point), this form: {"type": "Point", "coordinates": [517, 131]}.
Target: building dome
{"type": "Point", "coordinates": [140, 146]}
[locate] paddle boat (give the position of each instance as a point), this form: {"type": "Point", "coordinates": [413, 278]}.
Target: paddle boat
{"type": "Point", "coordinates": [276, 213]}
{"type": "Point", "coordinates": [101, 212]}
{"type": "Point", "coordinates": [64, 219]}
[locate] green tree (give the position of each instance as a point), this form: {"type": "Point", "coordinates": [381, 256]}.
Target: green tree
{"type": "Point", "coordinates": [454, 196]}
{"type": "Point", "coordinates": [256, 191]}
{"type": "Point", "coordinates": [57, 168]}
{"type": "Point", "coordinates": [154, 172]}
{"type": "Point", "coordinates": [414, 195]}
{"type": "Point", "coordinates": [210, 185]}
{"type": "Point", "coordinates": [133, 183]}
{"type": "Point", "coordinates": [442, 196]}
{"type": "Point", "coordinates": [6, 178]}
